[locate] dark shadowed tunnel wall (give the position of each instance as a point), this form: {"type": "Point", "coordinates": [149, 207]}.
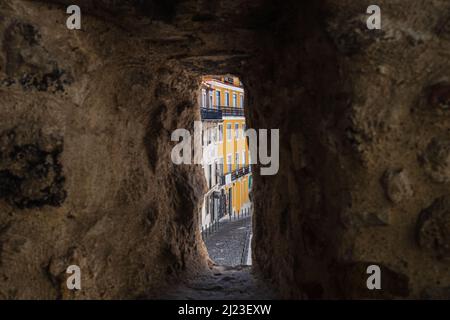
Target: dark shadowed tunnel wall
{"type": "Point", "coordinates": [85, 170]}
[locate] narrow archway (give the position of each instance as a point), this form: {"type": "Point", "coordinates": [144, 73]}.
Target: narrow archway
{"type": "Point", "coordinates": [225, 216]}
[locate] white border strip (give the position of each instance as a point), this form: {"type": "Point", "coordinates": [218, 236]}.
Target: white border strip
{"type": "Point", "coordinates": [232, 118]}
{"type": "Point", "coordinates": [249, 255]}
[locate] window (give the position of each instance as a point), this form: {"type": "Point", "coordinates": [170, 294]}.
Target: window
{"type": "Point", "coordinates": [210, 99]}
{"type": "Point", "coordinates": [229, 160]}
{"type": "Point", "coordinates": [234, 100]}
{"type": "Point", "coordinates": [209, 135]}
{"type": "Point", "coordinates": [209, 176]}
{"type": "Point", "coordinates": [220, 132]}
{"type": "Point", "coordinates": [237, 160]}
{"type": "Point", "coordinates": [229, 132]}
{"type": "Point", "coordinates": [203, 98]}
{"type": "Point", "coordinates": [236, 130]}
{"type": "Point", "coordinates": [227, 99]}
{"type": "Point", "coordinates": [211, 206]}
{"type": "Point", "coordinates": [214, 173]}
{"type": "Point", "coordinates": [220, 167]}
{"type": "Point", "coordinates": [214, 135]}
{"type": "Point", "coordinates": [241, 96]}
{"type": "Point", "coordinates": [217, 98]}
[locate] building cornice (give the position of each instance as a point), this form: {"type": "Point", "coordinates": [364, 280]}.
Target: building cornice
{"type": "Point", "coordinates": [225, 86]}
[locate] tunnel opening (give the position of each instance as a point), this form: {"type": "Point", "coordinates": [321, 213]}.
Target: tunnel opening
{"type": "Point", "coordinates": [225, 219]}
{"type": "Point", "coordinates": [224, 212]}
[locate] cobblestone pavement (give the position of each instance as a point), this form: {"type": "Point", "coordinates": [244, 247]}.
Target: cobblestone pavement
{"type": "Point", "coordinates": [223, 283]}
{"type": "Point", "coordinates": [229, 245]}
{"type": "Point", "coordinates": [229, 279]}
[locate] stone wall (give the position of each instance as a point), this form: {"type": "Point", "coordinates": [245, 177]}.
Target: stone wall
{"type": "Point", "coordinates": [85, 170]}
{"type": "Point", "coordinates": [364, 151]}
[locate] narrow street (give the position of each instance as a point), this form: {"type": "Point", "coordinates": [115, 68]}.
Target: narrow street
{"type": "Point", "coordinates": [230, 245]}
{"type": "Point", "coordinates": [232, 277]}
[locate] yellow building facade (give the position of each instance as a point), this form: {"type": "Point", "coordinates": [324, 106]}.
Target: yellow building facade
{"type": "Point", "coordinates": [234, 152]}
{"type": "Point", "coordinates": [223, 102]}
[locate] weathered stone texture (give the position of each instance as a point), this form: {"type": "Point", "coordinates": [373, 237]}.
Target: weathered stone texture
{"type": "Point", "coordinates": [436, 159]}
{"type": "Point", "coordinates": [85, 170]}
{"type": "Point", "coordinates": [397, 186]}
{"type": "Point", "coordinates": [433, 229]}
{"type": "Point", "coordinates": [31, 172]}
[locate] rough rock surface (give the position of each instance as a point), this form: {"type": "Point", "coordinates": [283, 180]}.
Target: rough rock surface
{"type": "Point", "coordinates": [397, 186]}
{"type": "Point", "coordinates": [436, 159]}
{"type": "Point", "coordinates": [433, 229]}
{"type": "Point", "coordinates": [85, 167]}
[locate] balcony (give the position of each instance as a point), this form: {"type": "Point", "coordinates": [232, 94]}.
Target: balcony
{"type": "Point", "coordinates": [211, 114]}
{"type": "Point", "coordinates": [232, 112]}
{"type": "Point", "coordinates": [242, 171]}
{"type": "Point", "coordinates": [218, 112]}
{"type": "Point", "coordinates": [236, 174]}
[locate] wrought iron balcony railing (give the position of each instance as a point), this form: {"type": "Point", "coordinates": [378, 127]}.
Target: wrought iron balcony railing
{"type": "Point", "coordinates": [231, 111]}
{"type": "Point", "coordinates": [218, 112]}
{"type": "Point", "coordinates": [211, 114]}
{"type": "Point", "coordinates": [236, 174]}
